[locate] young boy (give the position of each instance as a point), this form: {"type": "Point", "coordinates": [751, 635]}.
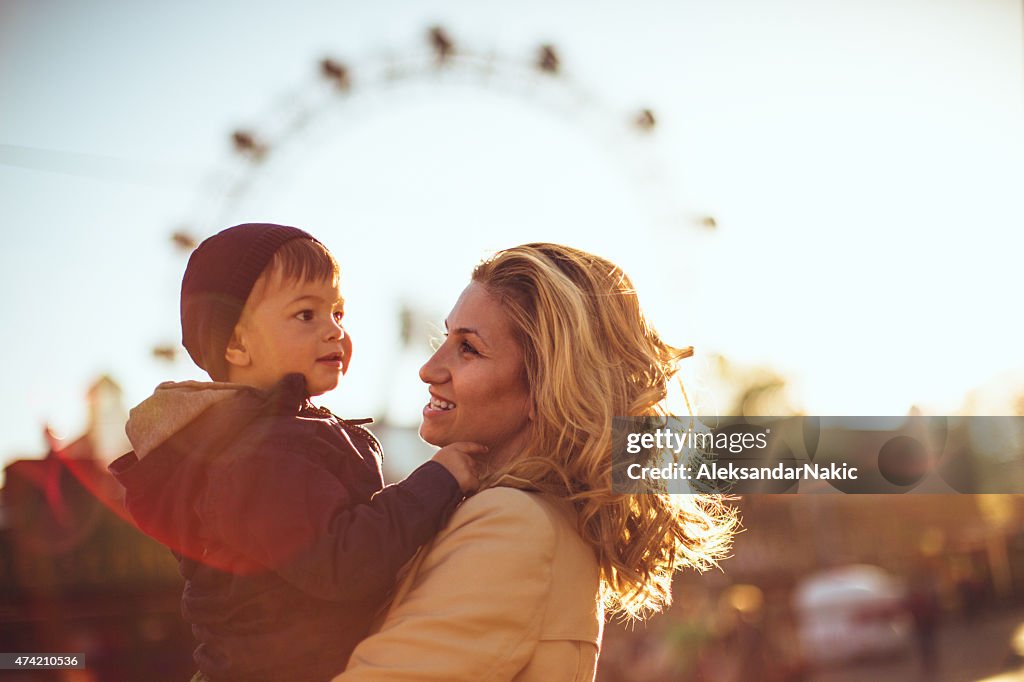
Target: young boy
{"type": "Point", "coordinates": [276, 509]}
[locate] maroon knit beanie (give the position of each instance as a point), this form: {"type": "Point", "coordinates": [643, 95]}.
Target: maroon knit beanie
{"type": "Point", "coordinates": [220, 274]}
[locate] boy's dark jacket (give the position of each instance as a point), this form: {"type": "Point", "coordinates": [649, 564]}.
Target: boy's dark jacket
{"type": "Point", "coordinates": [276, 509]}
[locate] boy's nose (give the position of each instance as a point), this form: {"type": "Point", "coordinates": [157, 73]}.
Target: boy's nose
{"type": "Point", "coordinates": [335, 330]}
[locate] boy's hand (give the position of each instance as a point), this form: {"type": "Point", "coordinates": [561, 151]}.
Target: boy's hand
{"type": "Point", "coordinates": [460, 459]}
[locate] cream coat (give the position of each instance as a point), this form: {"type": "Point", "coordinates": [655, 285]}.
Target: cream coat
{"type": "Point", "coordinates": [507, 591]}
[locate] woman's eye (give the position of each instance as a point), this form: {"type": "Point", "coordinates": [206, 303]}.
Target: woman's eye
{"type": "Point", "coordinates": [466, 347]}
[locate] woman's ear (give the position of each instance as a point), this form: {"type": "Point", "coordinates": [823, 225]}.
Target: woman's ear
{"type": "Point", "coordinates": [236, 353]}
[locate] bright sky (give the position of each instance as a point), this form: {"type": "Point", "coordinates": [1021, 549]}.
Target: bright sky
{"type": "Point", "coordinates": [863, 160]}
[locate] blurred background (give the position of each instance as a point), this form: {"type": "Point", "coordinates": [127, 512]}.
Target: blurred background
{"type": "Point", "coordinates": [822, 198]}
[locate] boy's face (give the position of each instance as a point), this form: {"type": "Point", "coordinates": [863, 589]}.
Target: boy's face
{"type": "Point", "coordinates": [290, 327]}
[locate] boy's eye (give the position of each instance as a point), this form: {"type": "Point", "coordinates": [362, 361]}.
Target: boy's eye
{"type": "Point", "coordinates": [305, 315]}
{"type": "Point", "coordinates": [339, 314]}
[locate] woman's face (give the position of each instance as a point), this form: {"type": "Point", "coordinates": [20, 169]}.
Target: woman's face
{"type": "Point", "coordinates": [477, 380]}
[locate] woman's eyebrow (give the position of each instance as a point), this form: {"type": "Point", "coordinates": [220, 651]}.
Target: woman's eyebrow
{"type": "Point", "coordinates": [464, 330]}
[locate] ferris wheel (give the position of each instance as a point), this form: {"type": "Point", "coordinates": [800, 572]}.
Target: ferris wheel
{"type": "Point", "coordinates": [342, 95]}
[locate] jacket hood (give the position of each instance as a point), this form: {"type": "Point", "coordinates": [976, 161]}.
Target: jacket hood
{"type": "Point", "coordinates": [178, 433]}
{"type": "Point", "coordinates": [173, 405]}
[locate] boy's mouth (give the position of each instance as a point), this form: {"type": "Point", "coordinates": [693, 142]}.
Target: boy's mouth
{"type": "Point", "coordinates": [331, 357]}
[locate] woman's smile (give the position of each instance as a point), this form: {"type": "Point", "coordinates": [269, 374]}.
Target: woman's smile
{"type": "Point", "coordinates": [436, 406]}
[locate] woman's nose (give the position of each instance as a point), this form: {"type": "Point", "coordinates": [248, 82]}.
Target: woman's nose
{"type": "Point", "coordinates": [434, 370]}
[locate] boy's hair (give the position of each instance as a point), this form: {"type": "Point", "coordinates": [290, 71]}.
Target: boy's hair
{"type": "Point", "coordinates": [221, 274]}
{"type": "Point", "coordinates": [297, 261]}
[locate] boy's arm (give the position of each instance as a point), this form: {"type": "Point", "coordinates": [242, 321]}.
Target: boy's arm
{"type": "Point", "coordinates": [283, 511]}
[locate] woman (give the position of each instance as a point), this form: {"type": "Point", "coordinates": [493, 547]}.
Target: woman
{"type": "Point", "coordinates": [544, 347]}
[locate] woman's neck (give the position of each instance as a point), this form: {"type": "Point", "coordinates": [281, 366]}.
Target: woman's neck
{"type": "Point", "coordinates": [500, 456]}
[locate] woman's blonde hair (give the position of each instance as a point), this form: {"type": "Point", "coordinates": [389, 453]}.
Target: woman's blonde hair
{"type": "Point", "coordinates": [591, 355]}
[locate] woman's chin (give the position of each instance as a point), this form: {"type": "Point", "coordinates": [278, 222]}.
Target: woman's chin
{"type": "Point", "coordinates": [431, 436]}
